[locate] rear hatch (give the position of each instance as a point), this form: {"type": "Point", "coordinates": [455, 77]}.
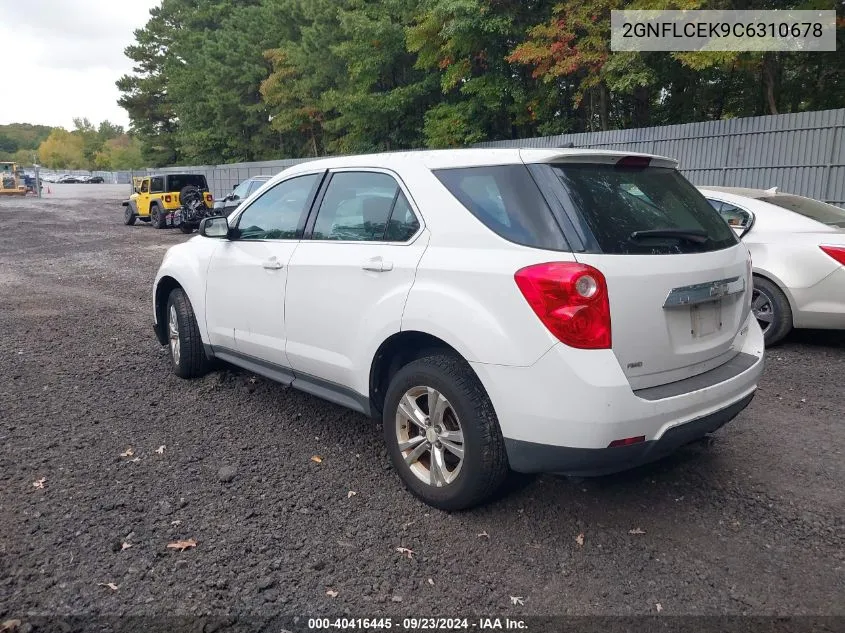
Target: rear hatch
{"type": "Point", "coordinates": [677, 276]}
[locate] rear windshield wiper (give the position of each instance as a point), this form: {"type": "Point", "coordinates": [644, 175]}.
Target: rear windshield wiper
{"type": "Point", "coordinates": [690, 235]}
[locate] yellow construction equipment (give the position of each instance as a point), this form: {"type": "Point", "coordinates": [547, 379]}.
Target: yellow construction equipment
{"type": "Point", "coordinates": [11, 180]}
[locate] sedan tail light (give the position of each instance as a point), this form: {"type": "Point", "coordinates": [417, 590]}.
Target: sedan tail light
{"type": "Point", "coordinates": [836, 252]}
{"type": "Point", "coordinates": [571, 301]}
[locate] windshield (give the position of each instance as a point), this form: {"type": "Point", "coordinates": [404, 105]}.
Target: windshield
{"type": "Point", "coordinates": [175, 183]}
{"type": "Point", "coordinates": [635, 210]}
{"type": "Point", "coordinates": [809, 208]}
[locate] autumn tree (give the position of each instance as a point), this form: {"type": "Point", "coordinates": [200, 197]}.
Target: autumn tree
{"type": "Point", "coordinates": [62, 150]}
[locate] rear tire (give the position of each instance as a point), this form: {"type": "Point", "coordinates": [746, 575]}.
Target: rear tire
{"type": "Point", "coordinates": [463, 421]}
{"type": "Point", "coordinates": [157, 217]}
{"type": "Point", "coordinates": [772, 310]}
{"type": "Point", "coordinates": [187, 354]}
{"type": "Point", "coordinates": [129, 216]}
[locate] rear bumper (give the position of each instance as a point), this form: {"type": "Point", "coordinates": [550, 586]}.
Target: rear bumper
{"type": "Point", "coordinates": [574, 403]}
{"type": "Point", "coordinates": [528, 457]}
{"type": "Point", "coordinates": [822, 305]}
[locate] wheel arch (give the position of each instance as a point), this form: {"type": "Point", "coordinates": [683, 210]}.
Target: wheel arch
{"type": "Point", "coordinates": [394, 353]}
{"type": "Point", "coordinates": [164, 287]}
{"type": "Point", "coordinates": [772, 279]}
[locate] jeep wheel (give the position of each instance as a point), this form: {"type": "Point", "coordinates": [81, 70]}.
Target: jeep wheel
{"type": "Point", "coordinates": [442, 433]}
{"type": "Point", "coordinates": [187, 355]}
{"type": "Point", "coordinates": [128, 216]}
{"type": "Point", "coordinates": [186, 228]}
{"type": "Point", "coordinates": [157, 217]}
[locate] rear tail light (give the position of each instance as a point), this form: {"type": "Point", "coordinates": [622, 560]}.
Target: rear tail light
{"type": "Point", "coordinates": [167, 198]}
{"type": "Point", "coordinates": [836, 252]}
{"type": "Point", "coordinates": [571, 301]}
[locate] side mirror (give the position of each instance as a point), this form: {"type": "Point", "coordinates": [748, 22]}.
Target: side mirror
{"type": "Point", "coordinates": [216, 226]}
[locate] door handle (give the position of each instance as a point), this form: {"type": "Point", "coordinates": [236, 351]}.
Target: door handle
{"type": "Point", "coordinates": [377, 265]}
{"type": "Point", "coordinates": [272, 264]}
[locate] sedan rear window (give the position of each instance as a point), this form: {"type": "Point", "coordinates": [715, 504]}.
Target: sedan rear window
{"type": "Point", "coordinates": [637, 210]}
{"type": "Point", "coordinates": [813, 209]}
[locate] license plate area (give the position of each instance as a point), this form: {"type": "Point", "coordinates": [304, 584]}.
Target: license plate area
{"type": "Point", "coordinates": [705, 318]}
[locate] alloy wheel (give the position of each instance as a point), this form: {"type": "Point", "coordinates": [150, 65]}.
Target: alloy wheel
{"type": "Point", "coordinates": [173, 328]}
{"type": "Point", "coordinates": [762, 307]}
{"type": "Point", "coordinates": [430, 437]}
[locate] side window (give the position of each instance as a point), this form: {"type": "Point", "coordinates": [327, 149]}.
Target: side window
{"type": "Point", "coordinates": [145, 186]}
{"type": "Point", "coordinates": [241, 191]}
{"type": "Point", "coordinates": [255, 185]}
{"type": "Point", "coordinates": [277, 213]}
{"type": "Point", "coordinates": [157, 184]}
{"type": "Point", "coordinates": [403, 223]}
{"type": "Point", "coordinates": [735, 217]}
{"type": "Point", "coordinates": [716, 204]}
{"type": "Point", "coordinates": [356, 207]}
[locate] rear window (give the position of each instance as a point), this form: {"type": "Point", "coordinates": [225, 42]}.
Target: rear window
{"type": "Point", "coordinates": [616, 202]}
{"type": "Point", "coordinates": [175, 183]}
{"type": "Point", "coordinates": [506, 199]}
{"type": "Point", "coordinates": [813, 209]}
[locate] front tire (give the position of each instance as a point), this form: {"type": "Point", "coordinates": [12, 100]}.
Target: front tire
{"type": "Point", "coordinates": [129, 216]}
{"type": "Point", "coordinates": [187, 355]}
{"type": "Point", "coordinates": [442, 433]}
{"type": "Point", "coordinates": [772, 310]}
{"type": "Point", "coordinates": [186, 228]}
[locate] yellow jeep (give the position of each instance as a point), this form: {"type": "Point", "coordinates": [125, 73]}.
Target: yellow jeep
{"type": "Point", "coordinates": [157, 199]}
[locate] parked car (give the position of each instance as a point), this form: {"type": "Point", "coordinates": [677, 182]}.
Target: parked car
{"type": "Point", "coordinates": [95, 180]}
{"type": "Point", "coordinates": [68, 180]}
{"type": "Point", "coordinates": [797, 245]}
{"type": "Point", "coordinates": [495, 309]}
{"type": "Point", "coordinates": [240, 193]}
{"type": "Point", "coordinates": [169, 200]}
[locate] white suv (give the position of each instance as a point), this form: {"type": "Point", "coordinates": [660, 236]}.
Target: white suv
{"type": "Point", "coordinates": [569, 311]}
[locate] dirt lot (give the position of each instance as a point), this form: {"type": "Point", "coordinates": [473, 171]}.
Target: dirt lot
{"type": "Point", "coordinates": [130, 460]}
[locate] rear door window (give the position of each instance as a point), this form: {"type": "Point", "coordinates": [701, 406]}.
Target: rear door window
{"type": "Point", "coordinates": [624, 209]}
{"type": "Point", "coordinates": [506, 200]}
{"type": "Point", "coordinates": [356, 207]}
{"type": "Point", "coordinates": [735, 217]}
{"type": "Point", "coordinates": [157, 184]}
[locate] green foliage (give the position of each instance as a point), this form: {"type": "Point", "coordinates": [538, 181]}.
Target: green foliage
{"type": "Point", "coordinates": [217, 81]}
{"type": "Point", "coordinates": [62, 150]}
{"type": "Point", "coordinates": [118, 153]}
{"type": "Point", "coordinates": [17, 137]}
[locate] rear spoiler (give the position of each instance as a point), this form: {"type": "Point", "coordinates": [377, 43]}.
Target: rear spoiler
{"type": "Point", "coordinates": [601, 157]}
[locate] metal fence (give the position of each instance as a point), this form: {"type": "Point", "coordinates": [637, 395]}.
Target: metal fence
{"type": "Point", "coordinates": [801, 153]}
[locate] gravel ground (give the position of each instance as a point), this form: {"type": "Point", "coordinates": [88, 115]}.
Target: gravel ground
{"type": "Point", "coordinates": [131, 458]}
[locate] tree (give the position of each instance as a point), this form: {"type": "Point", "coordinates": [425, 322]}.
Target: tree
{"type": "Point", "coordinates": [24, 157]}
{"type": "Point", "coordinates": [62, 150]}
{"type": "Point", "coordinates": [145, 94]}
{"type": "Point", "coordinates": [484, 95]}
{"type": "Point", "coordinates": [120, 153]}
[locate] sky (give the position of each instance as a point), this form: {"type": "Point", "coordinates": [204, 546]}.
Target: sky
{"type": "Point", "coordinates": [68, 54]}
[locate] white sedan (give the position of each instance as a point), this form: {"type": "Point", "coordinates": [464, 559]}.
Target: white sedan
{"type": "Point", "coordinates": [798, 249]}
